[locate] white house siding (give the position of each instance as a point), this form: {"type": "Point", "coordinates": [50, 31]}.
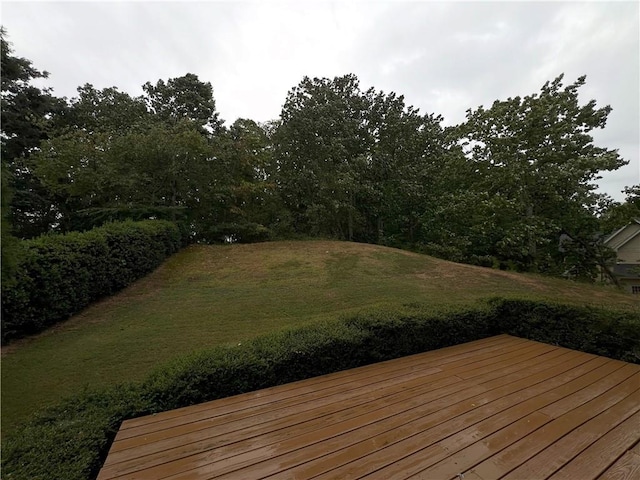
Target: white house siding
{"type": "Point", "coordinates": [630, 252]}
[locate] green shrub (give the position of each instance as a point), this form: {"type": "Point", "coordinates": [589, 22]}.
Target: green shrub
{"type": "Point", "coordinates": [59, 275]}
{"type": "Point", "coordinates": [601, 332]}
{"type": "Point", "coordinates": [244, 232]}
{"type": "Point", "coordinates": [70, 441]}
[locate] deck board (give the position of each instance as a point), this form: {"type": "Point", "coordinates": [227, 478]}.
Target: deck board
{"type": "Point", "coordinates": [595, 459]}
{"type": "Point", "coordinates": [298, 392]}
{"type": "Point", "coordinates": [501, 407]}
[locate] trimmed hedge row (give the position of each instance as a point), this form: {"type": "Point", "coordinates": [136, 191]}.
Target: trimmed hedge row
{"type": "Point", "coordinates": [59, 275]}
{"type": "Point", "coordinates": [71, 440]}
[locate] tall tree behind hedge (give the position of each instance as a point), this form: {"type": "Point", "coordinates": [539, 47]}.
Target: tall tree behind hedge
{"type": "Point", "coordinates": [103, 111]}
{"type": "Point", "coordinates": [115, 156]}
{"type": "Point", "coordinates": [155, 171]}
{"type": "Point", "coordinates": [9, 243]}
{"type": "Point", "coordinates": [540, 165]}
{"type": "Point", "coordinates": [405, 160]}
{"type": "Point", "coordinates": [26, 120]}
{"type": "Point", "coordinates": [318, 145]}
{"type": "Point", "coordinates": [355, 165]}
{"type": "Point", "coordinates": [245, 154]}
{"type": "Point", "coordinates": [183, 98]}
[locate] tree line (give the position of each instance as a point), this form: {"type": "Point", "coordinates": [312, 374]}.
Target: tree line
{"type": "Point", "coordinates": [511, 187]}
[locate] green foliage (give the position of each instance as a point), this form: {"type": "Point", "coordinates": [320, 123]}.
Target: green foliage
{"type": "Point", "coordinates": [59, 275]}
{"type": "Point", "coordinates": [234, 233]}
{"type": "Point", "coordinates": [71, 436]}
{"type": "Point", "coordinates": [354, 165]}
{"type": "Point", "coordinates": [513, 186]}
{"type": "Point", "coordinates": [246, 192]}
{"type": "Point", "coordinates": [71, 440]}
{"type": "Point", "coordinates": [617, 215]}
{"type": "Point", "coordinates": [25, 108]}
{"type": "Point", "coordinates": [26, 120]}
{"type": "Point", "coordinates": [537, 163]}
{"type": "Point", "coordinates": [8, 242]}
{"type": "Point", "coordinates": [601, 332]}
{"type": "Point", "coordinates": [150, 168]}
{"type": "Point", "coordinates": [183, 98]}
{"type": "Point", "coordinates": [612, 334]}
{"type": "Point", "coordinates": [106, 110]}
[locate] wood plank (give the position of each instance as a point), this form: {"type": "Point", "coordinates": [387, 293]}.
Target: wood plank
{"type": "Point", "coordinates": [594, 460]}
{"type": "Point", "coordinates": [406, 403]}
{"type": "Point", "coordinates": [462, 460]}
{"type": "Point", "coordinates": [626, 468]}
{"type": "Point", "coordinates": [560, 408]}
{"type": "Point", "coordinates": [607, 392]}
{"type": "Point", "coordinates": [485, 344]}
{"type": "Point", "coordinates": [412, 456]}
{"type": "Point", "coordinates": [559, 453]}
{"type": "Point", "coordinates": [354, 444]}
{"type": "Point", "coordinates": [496, 407]}
{"type": "Point", "coordinates": [117, 457]}
{"type": "Point", "coordinates": [341, 392]}
{"type": "Point", "coordinates": [305, 390]}
{"type": "Point", "coordinates": [271, 411]}
{"type": "Point", "coordinates": [291, 439]}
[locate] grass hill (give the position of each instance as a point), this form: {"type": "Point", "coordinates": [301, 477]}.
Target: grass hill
{"type": "Point", "coordinates": [207, 295]}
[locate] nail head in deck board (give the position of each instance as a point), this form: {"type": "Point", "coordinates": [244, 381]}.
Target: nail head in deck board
{"type": "Point", "coordinates": [352, 416]}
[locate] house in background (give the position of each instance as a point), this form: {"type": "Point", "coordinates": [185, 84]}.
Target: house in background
{"type": "Point", "coordinates": [626, 243]}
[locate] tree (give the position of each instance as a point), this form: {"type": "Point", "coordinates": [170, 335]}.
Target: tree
{"type": "Point", "coordinates": [26, 120]}
{"type": "Point", "coordinates": [153, 171]}
{"type": "Point", "coordinates": [355, 165]}
{"type": "Point", "coordinates": [616, 215]}
{"type": "Point", "coordinates": [246, 156]}
{"type": "Point", "coordinates": [405, 159]}
{"type": "Point", "coordinates": [181, 98]}
{"type": "Point", "coordinates": [9, 243]}
{"type": "Point", "coordinates": [106, 110]}
{"type": "Point", "coordinates": [540, 165]}
{"type": "Point", "coordinates": [113, 156]}
{"type": "Point", "coordinates": [318, 147]}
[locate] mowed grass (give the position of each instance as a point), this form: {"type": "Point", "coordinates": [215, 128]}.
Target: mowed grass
{"type": "Point", "coordinates": [208, 295]}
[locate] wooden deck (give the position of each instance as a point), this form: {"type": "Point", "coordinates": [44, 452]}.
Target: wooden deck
{"type": "Point", "coordinates": [501, 407]}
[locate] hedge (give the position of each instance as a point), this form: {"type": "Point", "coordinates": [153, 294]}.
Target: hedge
{"type": "Point", "coordinates": [243, 232]}
{"type": "Point", "coordinates": [71, 440]}
{"type": "Point", "coordinates": [59, 275]}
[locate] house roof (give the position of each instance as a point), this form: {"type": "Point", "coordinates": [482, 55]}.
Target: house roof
{"type": "Point", "coordinates": [620, 230]}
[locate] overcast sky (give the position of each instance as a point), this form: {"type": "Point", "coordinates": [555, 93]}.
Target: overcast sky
{"type": "Point", "coordinates": [444, 57]}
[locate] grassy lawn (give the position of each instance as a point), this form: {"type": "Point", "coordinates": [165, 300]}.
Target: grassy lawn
{"type": "Point", "coordinates": [207, 295]}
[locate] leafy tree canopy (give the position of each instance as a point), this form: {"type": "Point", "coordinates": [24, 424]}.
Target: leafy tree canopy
{"type": "Point", "coordinates": [513, 186]}
{"type": "Point", "coordinates": [183, 97]}
{"type": "Point", "coordinates": [539, 166]}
